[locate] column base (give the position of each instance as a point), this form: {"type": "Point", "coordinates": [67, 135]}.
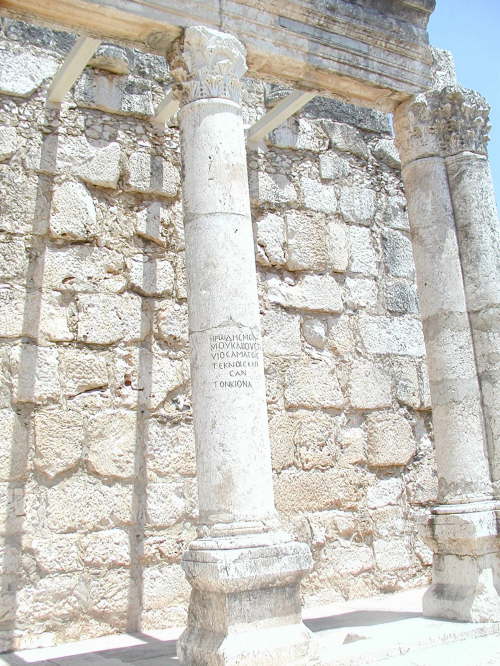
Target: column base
{"type": "Point", "coordinates": [245, 607]}
{"type": "Point", "coordinates": [466, 564]}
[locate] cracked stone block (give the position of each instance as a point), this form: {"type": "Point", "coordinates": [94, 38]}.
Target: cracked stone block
{"type": "Point", "coordinates": [83, 268]}
{"type": "Point", "coordinates": [271, 188]}
{"type": "Point", "coordinates": [151, 174]}
{"type": "Point", "coordinates": [59, 440]}
{"type": "Point", "coordinates": [337, 246]}
{"type": "Point", "coordinates": [357, 205]}
{"type": "Point", "coordinates": [172, 324]}
{"type": "Point", "coordinates": [385, 151]}
{"type": "Point", "coordinates": [170, 450]}
{"type": "Point", "coordinates": [314, 441]}
{"type": "Point", "coordinates": [113, 442]}
{"type": "Point", "coordinates": [363, 256]}
{"type": "Point", "coordinates": [333, 167]}
{"type": "Point", "coordinates": [84, 503]}
{"type": "Point", "coordinates": [56, 596]}
{"type": "Point", "coordinates": [14, 446]}
{"type": "Point", "coordinates": [353, 446]}
{"type": "Point", "coordinates": [390, 440]}
{"type": "Point", "coordinates": [398, 255]}
{"type": "Point", "coordinates": [312, 385]}
{"type": "Point", "coordinates": [311, 293]}
{"type": "Point", "coordinates": [13, 258]}
{"type": "Point", "coordinates": [57, 553]}
{"type": "Point", "coordinates": [103, 319]}
{"type": "Point", "coordinates": [82, 370]}
{"type": "Point", "coordinates": [299, 134]}
{"type": "Point", "coordinates": [394, 213]}
{"type": "Point", "coordinates": [150, 276]}
{"type": "Point", "coordinates": [127, 95]}
{"type": "Point", "coordinates": [346, 139]}
{"type": "Point", "coordinates": [281, 333]}
{"type": "Point", "coordinates": [406, 382]}
{"type": "Point", "coordinates": [167, 376]}
{"type": "Point", "coordinates": [73, 214]}
{"type": "Point", "coordinates": [109, 591]}
{"type": "Point", "coordinates": [8, 142]}
{"type": "Point", "coordinates": [369, 385]}
{"type": "Point", "coordinates": [270, 240]}
{"type": "Point", "coordinates": [392, 335]}
{"type": "Point", "coordinates": [161, 223]}
{"type": "Point", "coordinates": [306, 246]}
{"type": "Point", "coordinates": [23, 72]}
{"type": "Point", "coordinates": [422, 484]}
{"type": "Point", "coordinates": [110, 58]}
{"type": "Point", "coordinates": [318, 196]}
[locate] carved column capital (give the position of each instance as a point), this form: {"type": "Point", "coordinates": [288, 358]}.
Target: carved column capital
{"type": "Point", "coordinates": [208, 64]}
{"type": "Point", "coordinates": [442, 123]}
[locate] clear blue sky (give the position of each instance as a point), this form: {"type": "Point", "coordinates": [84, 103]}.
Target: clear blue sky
{"type": "Point", "coordinates": [470, 29]}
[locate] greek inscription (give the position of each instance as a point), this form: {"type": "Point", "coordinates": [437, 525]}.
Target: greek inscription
{"type": "Point", "coordinates": [234, 356]}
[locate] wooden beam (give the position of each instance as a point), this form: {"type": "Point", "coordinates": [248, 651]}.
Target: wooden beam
{"type": "Point", "coordinates": [72, 67]}
{"type": "Point", "coordinates": [277, 116]}
{"type": "Point", "coordinates": [166, 109]}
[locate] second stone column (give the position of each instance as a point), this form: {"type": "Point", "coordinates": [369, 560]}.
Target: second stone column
{"type": "Point", "coordinates": [244, 571]}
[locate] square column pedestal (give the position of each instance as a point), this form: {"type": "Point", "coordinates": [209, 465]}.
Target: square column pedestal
{"type": "Point", "coordinates": [245, 604]}
{"type": "Point", "coordinates": [466, 564]}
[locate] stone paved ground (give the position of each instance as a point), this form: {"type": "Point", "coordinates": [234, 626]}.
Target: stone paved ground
{"type": "Point", "coordinates": [387, 630]}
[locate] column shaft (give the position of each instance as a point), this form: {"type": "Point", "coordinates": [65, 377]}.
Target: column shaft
{"type": "Point", "coordinates": [244, 571]}
{"type": "Point", "coordinates": [478, 234]}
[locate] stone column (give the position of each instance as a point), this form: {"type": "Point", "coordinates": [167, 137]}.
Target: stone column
{"type": "Point", "coordinates": [244, 571]}
{"type": "Point", "coordinates": [462, 529]}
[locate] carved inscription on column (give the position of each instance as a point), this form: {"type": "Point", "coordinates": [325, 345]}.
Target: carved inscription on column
{"type": "Point", "coordinates": [235, 357]}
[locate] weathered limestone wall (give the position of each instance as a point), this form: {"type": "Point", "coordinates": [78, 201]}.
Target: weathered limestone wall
{"type": "Point", "coordinates": [98, 491]}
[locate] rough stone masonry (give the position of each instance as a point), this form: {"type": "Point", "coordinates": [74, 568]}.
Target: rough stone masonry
{"type": "Point", "coordinates": [98, 490]}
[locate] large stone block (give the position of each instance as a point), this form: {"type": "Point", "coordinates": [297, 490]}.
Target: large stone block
{"type": "Point", "coordinates": [270, 240]}
{"type": "Point", "coordinates": [398, 256]}
{"type": "Point", "coordinates": [53, 323]}
{"type": "Point", "coordinates": [363, 256]}
{"type": "Point", "coordinates": [165, 596]}
{"type": "Point", "coordinates": [318, 196]}
{"type": "Point", "coordinates": [56, 553]}
{"type": "Point", "coordinates": [113, 444]}
{"type": "Point", "coordinates": [151, 276]}
{"type": "Point", "coordinates": [161, 223]}
{"type": "Point", "coordinates": [73, 215]}
{"type": "Point", "coordinates": [312, 385]}
{"type": "Point", "coordinates": [361, 293]}
{"type": "Point", "coordinates": [13, 259]}
{"type": "Point", "coordinates": [337, 246]}
{"type": "Point", "coordinates": [271, 188]}
{"type": "Point", "coordinates": [35, 372]}
{"type": "Point", "coordinates": [153, 175]}
{"type": "Point", "coordinates": [83, 268]}
{"type": "Point", "coordinates": [300, 134]}
{"type": "Point", "coordinates": [350, 559]}
{"type": "Point", "coordinates": [12, 311]}
{"type": "Point", "coordinates": [317, 490]}
{"type": "Point", "coordinates": [390, 440]}
{"type": "Point", "coordinates": [14, 446]}
{"type": "Point", "coordinates": [314, 440]}
{"type": "Point", "coordinates": [53, 597]}
{"type": "Point", "coordinates": [369, 385]}
{"type": "Point", "coordinates": [167, 503]}
{"type": "Point", "coordinates": [314, 331]}
{"type": "Point", "coordinates": [281, 333]}
{"type": "Point", "coordinates": [392, 335]}
{"type": "Point", "coordinates": [357, 205]}
{"type": "Point", "coordinates": [169, 450]}
{"type": "Point", "coordinates": [385, 151]}
{"type": "Point", "coordinates": [333, 167]}
{"type": "Point", "coordinates": [346, 139]}
{"type": "Point", "coordinates": [312, 293]}
{"type": "Point", "coordinates": [19, 214]}
{"type": "Point", "coordinates": [391, 554]}
{"type": "Point", "coordinates": [59, 440]}
{"type": "Point", "coordinates": [127, 95]}
{"type": "Point", "coordinates": [106, 548]}
{"type": "Point", "coordinates": [401, 297]}
{"type": "Point", "coordinates": [384, 492]}
{"type": "Point", "coordinates": [306, 242]}
{"type": "Point", "coordinates": [82, 503]}
{"type": "Point", "coordinates": [110, 595]}
{"type": "Point", "coordinates": [8, 142]}
{"type": "Point", "coordinates": [172, 324]}
{"type": "Point", "coordinates": [23, 72]}
{"type": "Point", "coordinates": [82, 370]}
{"type": "Point", "coordinates": [107, 318]}
{"type": "Point", "coordinates": [281, 431]}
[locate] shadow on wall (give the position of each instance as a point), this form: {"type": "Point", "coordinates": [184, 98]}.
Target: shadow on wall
{"type": "Point", "coordinates": [24, 401]}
